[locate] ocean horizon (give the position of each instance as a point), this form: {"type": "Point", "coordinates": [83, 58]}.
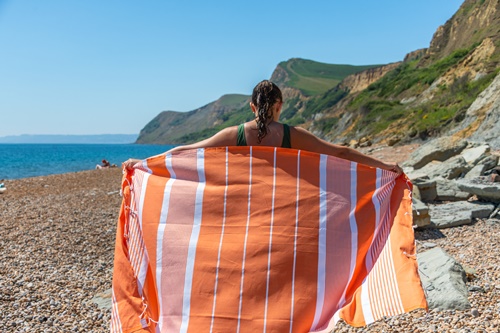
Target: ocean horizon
{"type": "Point", "coordinates": [24, 160]}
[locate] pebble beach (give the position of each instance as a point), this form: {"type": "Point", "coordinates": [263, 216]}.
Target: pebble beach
{"type": "Point", "coordinates": [57, 238]}
{"type": "Point", "coordinates": [57, 242]}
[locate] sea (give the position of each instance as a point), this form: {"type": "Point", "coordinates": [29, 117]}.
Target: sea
{"type": "Point", "coordinates": [33, 160]}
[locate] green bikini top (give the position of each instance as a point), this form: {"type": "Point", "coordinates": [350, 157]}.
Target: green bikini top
{"type": "Point", "coordinates": [242, 141]}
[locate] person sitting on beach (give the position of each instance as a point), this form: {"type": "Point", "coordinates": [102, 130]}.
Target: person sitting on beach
{"type": "Point", "coordinates": [265, 130]}
{"type": "Point", "coordinates": [104, 165]}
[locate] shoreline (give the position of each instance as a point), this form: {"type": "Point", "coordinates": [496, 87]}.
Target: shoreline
{"type": "Point", "coordinates": [388, 153]}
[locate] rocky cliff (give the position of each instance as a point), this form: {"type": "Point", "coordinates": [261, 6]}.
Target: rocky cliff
{"type": "Point", "coordinates": [428, 94]}
{"type": "Point", "coordinates": [473, 22]}
{"type": "Point", "coordinates": [360, 81]}
{"type": "Point", "coordinates": [482, 119]}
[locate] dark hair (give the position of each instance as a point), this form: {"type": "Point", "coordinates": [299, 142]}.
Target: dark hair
{"type": "Point", "coordinates": [264, 96]}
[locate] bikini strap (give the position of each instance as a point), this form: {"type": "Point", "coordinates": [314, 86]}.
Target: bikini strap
{"type": "Point", "coordinates": [241, 140]}
{"type": "Point", "coordinates": [286, 143]}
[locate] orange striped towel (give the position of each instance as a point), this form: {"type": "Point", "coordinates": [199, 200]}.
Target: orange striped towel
{"type": "Point", "coordinates": [248, 239]}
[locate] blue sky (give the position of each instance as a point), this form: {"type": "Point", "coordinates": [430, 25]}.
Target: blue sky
{"type": "Point", "coordinates": [109, 67]}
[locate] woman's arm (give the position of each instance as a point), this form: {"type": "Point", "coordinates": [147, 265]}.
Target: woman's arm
{"type": "Point", "coordinates": [302, 139]}
{"type": "Point", "coordinates": [226, 137]}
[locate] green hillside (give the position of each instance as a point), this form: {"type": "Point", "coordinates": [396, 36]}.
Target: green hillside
{"type": "Point", "coordinates": [232, 99]}
{"type": "Point", "coordinates": [315, 78]}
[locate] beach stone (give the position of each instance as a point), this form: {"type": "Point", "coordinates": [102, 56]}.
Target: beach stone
{"type": "Point", "coordinates": [458, 213]}
{"type": "Point", "coordinates": [103, 300]}
{"type": "Point", "coordinates": [452, 168]}
{"type": "Point", "coordinates": [481, 187]}
{"type": "Point", "coordinates": [448, 190]}
{"type": "Point", "coordinates": [495, 212]}
{"type": "Point", "coordinates": [476, 171]}
{"type": "Point", "coordinates": [426, 189]}
{"type": "Point", "coordinates": [439, 149]}
{"type": "Point", "coordinates": [415, 193]}
{"type": "Point", "coordinates": [443, 279]}
{"type": "Point", "coordinates": [421, 216]}
{"type": "Point", "coordinates": [475, 154]}
{"type": "Point", "coordinates": [489, 161]}
{"type": "Point", "coordinates": [476, 289]}
{"type": "Point", "coordinates": [413, 174]}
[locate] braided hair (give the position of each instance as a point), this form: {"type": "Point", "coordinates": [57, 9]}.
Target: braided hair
{"type": "Point", "coordinates": [265, 95]}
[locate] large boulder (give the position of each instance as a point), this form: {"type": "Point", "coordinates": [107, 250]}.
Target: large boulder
{"type": "Point", "coordinates": [452, 168]}
{"type": "Point", "coordinates": [425, 189]}
{"type": "Point", "coordinates": [458, 213]}
{"type": "Point", "coordinates": [421, 216]}
{"type": "Point", "coordinates": [448, 190]}
{"type": "Point", "coordinates": [439, 149]}
{"type": "Point", "coordinates": [482, 187]}
{"type": "Point", "coordinates": [475, 154]}
{"type": "Point", "coordinates": [489, 161]}
{"type": "Point", "coordinates": [443, 279]}
{"type": "Point", "coordinates": [476, 171]}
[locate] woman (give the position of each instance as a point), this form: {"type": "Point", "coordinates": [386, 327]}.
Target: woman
{"type": "Point", "coordinates": [265, 130]}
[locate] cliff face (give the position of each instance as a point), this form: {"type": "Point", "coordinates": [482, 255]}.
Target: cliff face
{"type": "Point", "coordinates": [360, 81]}
{"type": "Point", "coordinates": [474, 21]}
{"type": "Point", "coordinates": [482, 119]}
{"type": "Point", "coordinates": [475, 65]}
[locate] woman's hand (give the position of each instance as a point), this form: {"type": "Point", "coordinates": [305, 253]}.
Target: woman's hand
{"type": "Point", "coordinates": [129, 164]}
{"type": "Point", "coordinates": [394, 167]}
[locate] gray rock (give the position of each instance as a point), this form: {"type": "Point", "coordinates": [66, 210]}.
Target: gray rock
{"type": "Point", "coordinates": [416, 193]}
{"type": "Point", "coordinates": [495, 212]}
{"type": "Point", "coordinates": [476, 289]}
{"type": "Point", "coordinates": [452, 168]}
{"type": "Point", "coordinates": [421, 216]}
{"type": "Point", "coordinates": [481, 187]}
{"type": "Point", "coordinates": [476, 171]}
{"type": "Point", "coordinates": [473, 155]}
{"type": "Point", "coordinates": [489, 161]}
{"type": "Point", "coordinates": [458, 213]}
{"type": "Point", "coordinates": [103, 300]}
{"type": "Point", "coordinates": [448, 190]}
{"type": "Point", "coordinates": [426, 189]}
{"type": "Point", "coordinates": [443, 280]}
{"type": "Point", "coordinates": [439, 149]}
{"type": "Point", "coordinates": [414, 174]}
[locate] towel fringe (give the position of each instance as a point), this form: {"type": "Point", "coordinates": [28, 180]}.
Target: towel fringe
{"type": "Point", "coordinates": [144, 315]}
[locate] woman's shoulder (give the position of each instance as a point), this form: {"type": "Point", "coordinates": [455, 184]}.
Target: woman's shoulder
{"type": "Point", "coordinates": [227, 132]}
{"type": "Point", "coordinates": [299, 131]}
{"type": "Point", "coordinates": [302, 139]}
